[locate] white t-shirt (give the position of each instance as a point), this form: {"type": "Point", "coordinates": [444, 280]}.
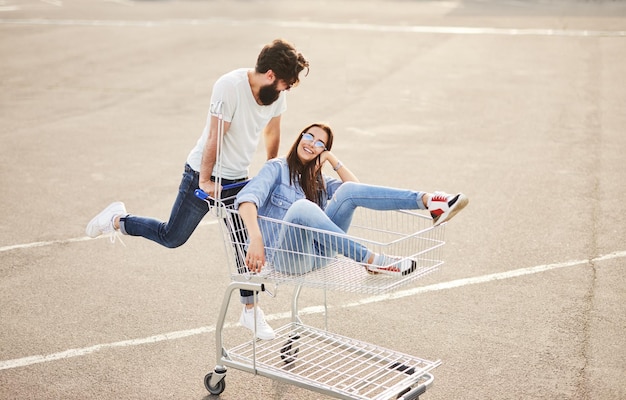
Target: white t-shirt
{"type": "Point", "coordinates": [247, 119]}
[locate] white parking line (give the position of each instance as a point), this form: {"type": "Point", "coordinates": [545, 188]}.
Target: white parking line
{"type": "Point", "coordinates": [450, 30]}
{"type": "Point", "coordinates": [57, 3]}
{"type": "Point", "coordinates": [63, 241]}
{"type": "Point", "coordinates": [25, 361]}
{"type": "Point", "coordinates": [121, 2]}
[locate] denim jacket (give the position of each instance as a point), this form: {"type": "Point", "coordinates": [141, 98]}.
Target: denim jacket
{"type": "Point", "coordinates": [273, 194]}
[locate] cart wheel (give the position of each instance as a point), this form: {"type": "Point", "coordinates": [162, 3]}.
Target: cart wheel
{"type": "Point", "coordinates": [218, 388]}
{"type": "Point", "coordinates": [402, 393]}
{"type": "Point", "coordinates": [289, 352]}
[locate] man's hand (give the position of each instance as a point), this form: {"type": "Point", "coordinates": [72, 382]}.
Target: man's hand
{"type": "Point", "coordinates": [209, 188]}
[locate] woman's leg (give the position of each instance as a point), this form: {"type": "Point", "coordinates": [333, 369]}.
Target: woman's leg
{"type": "Point", "coordinates": [308, 248]}
{"type": "Point", "coordinates": [295, 253]}
{"type": "Point", "coordinates": [351, 195]}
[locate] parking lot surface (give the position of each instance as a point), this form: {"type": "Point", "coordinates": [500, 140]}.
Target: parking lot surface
{"type": "Point", "coordinates": [518, 104]}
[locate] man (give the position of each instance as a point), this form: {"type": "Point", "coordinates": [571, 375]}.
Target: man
{"type": "Point", "coordinates": [251, 102]}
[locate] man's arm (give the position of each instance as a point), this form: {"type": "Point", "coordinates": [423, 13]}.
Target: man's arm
{"type": "Point", "coordinates": [271, 135]}
{"type": "Point", "coordinates": [209, 157]}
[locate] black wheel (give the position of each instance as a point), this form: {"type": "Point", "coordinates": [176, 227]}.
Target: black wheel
{"type": "Point", "coordinates": [289, 352]}
{"type": "Point", "coordinates": [218, 388]}
{"type": "Point", "coordinates": [402, 393]}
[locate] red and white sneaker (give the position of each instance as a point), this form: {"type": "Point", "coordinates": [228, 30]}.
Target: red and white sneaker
{"type": "Point", "coordinates": [391, 265]}
{"type": "Point", "coordinates": [443, 206]}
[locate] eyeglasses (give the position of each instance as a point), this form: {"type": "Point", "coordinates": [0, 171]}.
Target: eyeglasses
{"type": "Point", "coordinates": [310, 138]}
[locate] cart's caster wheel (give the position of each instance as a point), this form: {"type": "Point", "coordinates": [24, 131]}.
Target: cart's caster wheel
{"type": "Point", "coordinates": [402, 393]}
{"type": "Point", "coordinates": [218, 388]}
{"type": "Point", "coordinates": [289, 352]}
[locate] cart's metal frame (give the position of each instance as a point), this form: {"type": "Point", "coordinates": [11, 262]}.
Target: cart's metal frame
{"type": "Point", "coordinates": [314, 358]}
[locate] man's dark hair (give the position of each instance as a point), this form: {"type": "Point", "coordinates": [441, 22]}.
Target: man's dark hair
{"type": "Point", "coordinates": [284, 60]}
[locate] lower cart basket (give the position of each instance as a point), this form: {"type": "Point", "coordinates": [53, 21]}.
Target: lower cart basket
{"type": "Point", "coordinates": [335, 365]}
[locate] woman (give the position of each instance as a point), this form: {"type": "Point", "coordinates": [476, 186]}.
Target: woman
{"type": "Point", "coordinates": [294, 190]}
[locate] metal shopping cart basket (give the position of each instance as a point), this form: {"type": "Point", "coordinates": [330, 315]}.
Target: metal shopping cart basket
{"type": "Point", "coordinates": [315, 358]}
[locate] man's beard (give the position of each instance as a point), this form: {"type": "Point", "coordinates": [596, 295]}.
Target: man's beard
{"type": "Point", "coordinates": [269, 94]}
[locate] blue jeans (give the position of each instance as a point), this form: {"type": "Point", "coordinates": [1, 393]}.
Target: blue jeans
{"type": "Point", "coordinates": [302, 250]}
{"type": "Point", "coordinates": [186, 214]}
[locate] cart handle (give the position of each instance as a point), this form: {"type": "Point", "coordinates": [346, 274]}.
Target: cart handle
{"type": "Point", "coordinates": [201, 194]}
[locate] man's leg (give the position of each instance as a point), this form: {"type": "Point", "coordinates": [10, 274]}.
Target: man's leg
{"type": "Point", "coordinates": [186, 214]}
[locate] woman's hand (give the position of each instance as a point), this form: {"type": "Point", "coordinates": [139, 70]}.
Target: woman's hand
{"type": "Point", "coordinates": [344, 173]}
{"type": "Point", "coordinates": [328, 156]}
{"type": "Point", "coordinates": [255, 257]}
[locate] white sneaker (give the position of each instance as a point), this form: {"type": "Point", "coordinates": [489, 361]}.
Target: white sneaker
{"type": "Point", "coordinates": [263, 330]}
{"type": "Point", "coordinates": [102, 223]}
{"type": "Point", "coordinates": [391, 265]}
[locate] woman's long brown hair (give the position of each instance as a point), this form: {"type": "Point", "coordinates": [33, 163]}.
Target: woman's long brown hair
{"type": "Point", "coordinates": [309, 175]}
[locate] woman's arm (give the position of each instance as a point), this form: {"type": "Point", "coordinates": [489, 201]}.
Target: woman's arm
{"type": "Point", "coordinates": [255, 257]}
{"type": "Point", "coordinates": [252, 197]}
{"type": "Point", "coordinates": [344, 172]}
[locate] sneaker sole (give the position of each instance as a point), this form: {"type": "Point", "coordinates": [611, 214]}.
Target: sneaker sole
{"type": "Point", "coordinates": [458, 206]}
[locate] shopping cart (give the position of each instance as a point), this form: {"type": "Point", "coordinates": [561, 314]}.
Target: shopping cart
{"type": "Point", "coordinates": [307, 356]}
{"type": "Point", "coordinates": [315, 358]}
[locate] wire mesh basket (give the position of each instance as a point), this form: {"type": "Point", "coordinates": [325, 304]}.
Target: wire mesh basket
{"type": "Point", "coordinates": [310, 257]}
{"type": "Point", "coordinates": [337, 365]}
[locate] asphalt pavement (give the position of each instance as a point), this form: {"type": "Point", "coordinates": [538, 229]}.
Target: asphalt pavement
{"type": "Point", "coordinates": [518, 104]}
